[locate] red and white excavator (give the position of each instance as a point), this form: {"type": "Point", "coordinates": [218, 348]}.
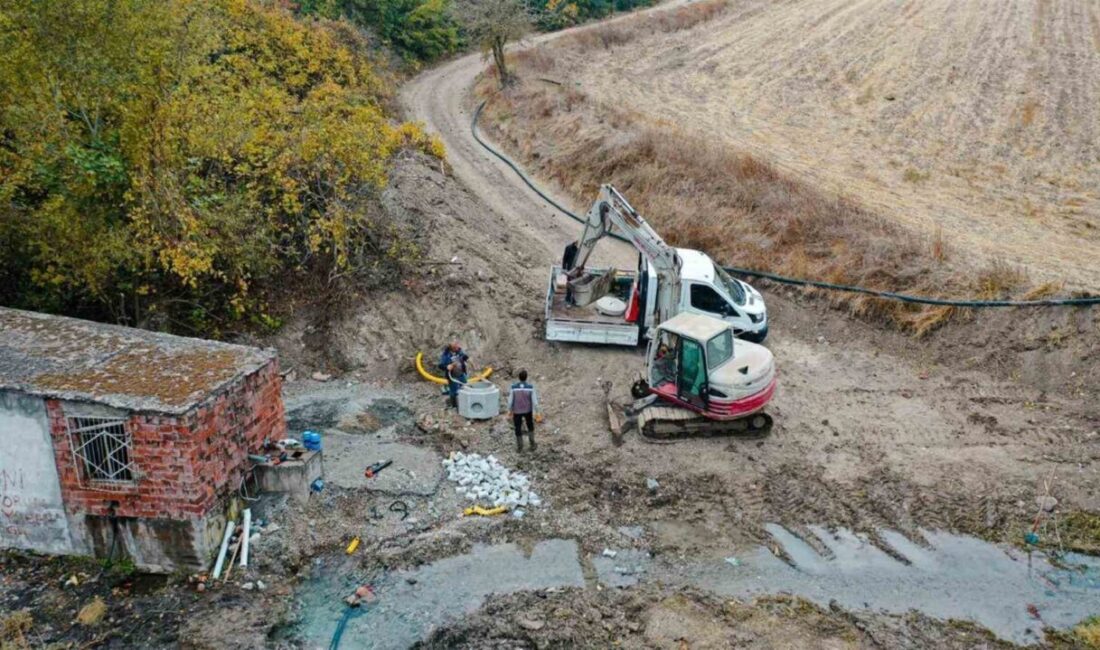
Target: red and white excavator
{"type": "Point", "coordinates": [700, 378]}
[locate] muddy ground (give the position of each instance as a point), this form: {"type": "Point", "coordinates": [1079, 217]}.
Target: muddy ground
{"type": "Point", "coordinates": [874, 430]}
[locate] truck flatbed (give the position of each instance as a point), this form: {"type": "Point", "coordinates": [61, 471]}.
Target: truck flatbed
{"type": "Point", "coordinates": [585, 324]}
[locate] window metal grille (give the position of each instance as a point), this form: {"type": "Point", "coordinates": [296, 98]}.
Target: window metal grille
{"type": "Point", "coordinates": [101, 447]}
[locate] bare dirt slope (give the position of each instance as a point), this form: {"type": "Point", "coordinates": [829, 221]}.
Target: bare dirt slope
{"type": "Point", "coordinates": [975, 119]}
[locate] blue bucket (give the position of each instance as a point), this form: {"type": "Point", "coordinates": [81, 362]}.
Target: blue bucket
{"type": "Point", "coordinates": [311, 440]}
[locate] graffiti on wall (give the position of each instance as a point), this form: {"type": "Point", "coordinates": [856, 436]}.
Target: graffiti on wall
{"type": "Point", "coordinates": [31, 512]}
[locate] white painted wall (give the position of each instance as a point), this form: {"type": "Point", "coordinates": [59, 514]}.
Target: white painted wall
{"type": "Point", "coordinates": [31, 513]}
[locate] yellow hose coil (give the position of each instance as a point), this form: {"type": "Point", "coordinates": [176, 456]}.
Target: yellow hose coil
{"type": "Point", "coordinates": [484, 374]}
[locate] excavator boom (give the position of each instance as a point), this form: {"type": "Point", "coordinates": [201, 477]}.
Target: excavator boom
{"type": "Point", "coordinates": [612, 213]}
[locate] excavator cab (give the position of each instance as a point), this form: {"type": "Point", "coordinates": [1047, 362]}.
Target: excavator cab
{"type": "Point", "coordinates": [679, 367]}
{"type": "Point", "coordinates": [696, 362]}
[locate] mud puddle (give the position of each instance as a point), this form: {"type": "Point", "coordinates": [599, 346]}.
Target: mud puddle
{"type": "Point", "coordinates": [947, 577]}
{"type": "Point", "coordinates": [411, 603]}
{"type": "Point", "coordinates": [350, 408]}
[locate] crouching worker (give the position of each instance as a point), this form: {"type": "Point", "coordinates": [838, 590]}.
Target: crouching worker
{"type": "Point", "coordinates": [453, 362]}
{"type": "Point", "coordinates": [523, 403]}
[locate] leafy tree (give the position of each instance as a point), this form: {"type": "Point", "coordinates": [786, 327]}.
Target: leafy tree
{"type": "Point", "coordinates": [421, 30]}
{"type": "Point", "coordinates": [491, 24]}
{"type": "Point", "coordinates": [167, 161]}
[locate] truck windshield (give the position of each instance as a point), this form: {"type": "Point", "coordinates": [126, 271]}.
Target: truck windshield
{"type": "Point", "coordinates": [719, 350]}
{"type": "Point", "coordinates": [732, 287]}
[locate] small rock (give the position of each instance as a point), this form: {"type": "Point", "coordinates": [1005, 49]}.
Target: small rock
{"type": "Point", "coordinates": [93, 612]}
{"type": "Point", "coordinates": [609, 553]}
{"type": "Point", "coordinates": [531, 624]}
{"type": "Point", "coordinates": [72, 581]}
{"type": "Point", "coordinates": [260, 585]}
{"type": "Point", "coordinates": [248, 586]}
{"type": "Point", "coordinates": [1046, 502]}
{"type": "Point", "coordinates": [732, 561]}
{"type": "Point", "coordinates": [411, 581]}
{"type": "Point", "coordinates": [652, 485]}
{"type": "Point", "coordinates": [321, 376]}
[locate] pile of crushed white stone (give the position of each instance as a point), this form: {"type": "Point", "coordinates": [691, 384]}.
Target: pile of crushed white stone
{"type": "Point", "coordinates": [485, 480]}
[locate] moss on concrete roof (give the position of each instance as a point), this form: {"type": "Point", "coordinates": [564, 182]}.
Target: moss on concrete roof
{"type": "Point", "coordinates": [118, 366]}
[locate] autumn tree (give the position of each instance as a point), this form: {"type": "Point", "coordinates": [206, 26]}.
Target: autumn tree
{"type": "Point", "coordinates": [490, 24]}
{"type": "Point", "coordinates": [167, 163]}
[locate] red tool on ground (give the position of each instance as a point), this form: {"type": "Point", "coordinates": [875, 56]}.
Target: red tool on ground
{"type": "Point", "coordinates": [377, 467]}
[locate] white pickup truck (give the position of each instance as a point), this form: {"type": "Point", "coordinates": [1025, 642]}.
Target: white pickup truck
{"type": "Point", "coordinates": [666, 282]}
{"type": "Point", "coordinates": [706, 289]}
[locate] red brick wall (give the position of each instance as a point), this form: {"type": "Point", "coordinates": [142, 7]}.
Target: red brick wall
{"type": "Point", "coordinates": [187, 462]}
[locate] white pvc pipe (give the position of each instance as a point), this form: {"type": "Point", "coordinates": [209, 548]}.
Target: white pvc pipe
{"type": "Point", "coordinates": [225, 547]}
{"type": "Point", "coordinates": [246, 533]}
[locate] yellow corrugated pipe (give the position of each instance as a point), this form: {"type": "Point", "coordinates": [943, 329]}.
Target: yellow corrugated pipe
{"type": "Point", "coordinates": [484, 512]}
{"type": "Point", "coordinates": [484, 374]}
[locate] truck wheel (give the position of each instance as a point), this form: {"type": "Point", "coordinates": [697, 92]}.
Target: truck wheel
{"type": "Point", "coordinates": [755, 337]}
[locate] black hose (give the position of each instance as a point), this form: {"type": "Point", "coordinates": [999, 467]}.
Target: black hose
{"type": "Point", "coordinates": [401, 507]}
{"type": "Point", "coordinates": [891, 295]}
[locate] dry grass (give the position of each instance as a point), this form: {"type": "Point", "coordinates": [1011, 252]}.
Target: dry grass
{"type": "Point", "coordinates": [624, 31]}
{"type": "Point", "coordinates": [737, 207]}
{"type": "Point", "coordinates": [1088, 632]}
{"type": "Point", "coordinates": [14, 628]}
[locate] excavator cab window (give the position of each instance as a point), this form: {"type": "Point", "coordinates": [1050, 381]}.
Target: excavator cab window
{"type": "Point", "coordinates": [665, 360]}
{"type": "Point", "coordinates": [693, 373]}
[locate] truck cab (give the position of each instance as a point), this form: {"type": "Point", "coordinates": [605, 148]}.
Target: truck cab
{"type": "Point", "coordinates": [708, 290]}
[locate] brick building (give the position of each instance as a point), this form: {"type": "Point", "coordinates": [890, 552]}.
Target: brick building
{"type": "Point", "coordinates": [111, 436]}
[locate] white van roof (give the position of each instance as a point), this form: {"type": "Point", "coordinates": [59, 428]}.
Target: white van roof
{"type": "Point", "coordinates": [695, 265]}
{"type": "Point", "coordinates": [695, 326]}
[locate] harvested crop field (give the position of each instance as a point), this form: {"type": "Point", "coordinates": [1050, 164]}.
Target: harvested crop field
{"type": "Point", "coordinates": [970, 123]}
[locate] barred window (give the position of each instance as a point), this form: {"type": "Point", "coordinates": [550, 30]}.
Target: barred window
{"type": "Point", "coordinates": [101, 447]}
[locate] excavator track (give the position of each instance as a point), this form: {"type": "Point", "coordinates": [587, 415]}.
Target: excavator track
{"type": "Point", "coordinates": [665, 424]}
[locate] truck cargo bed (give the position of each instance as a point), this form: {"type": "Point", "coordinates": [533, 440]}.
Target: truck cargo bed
{"type": "Point", "coordinates": [584, 324]}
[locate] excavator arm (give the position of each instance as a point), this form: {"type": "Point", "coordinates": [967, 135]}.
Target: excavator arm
{"type": "Point", "coordinates": [611, 213]}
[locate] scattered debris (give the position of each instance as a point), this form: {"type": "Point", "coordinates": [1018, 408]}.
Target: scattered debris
{"type": "Point", "coordinates": [609, 553]}
{"type": "Point", "coordinates": [652, 485]}
{"type": "Point", "coordinates": [530, 624]}
{"type": "Point", "coordinates": [321, 376]}
{"type": "Point", "coordinates": [487, 480]}
{"type": "Point", "coordinates": [353, 545]}
{"type": "Point", "coordinates": [363, 594]}
{"type": "Point", "coordinates": [732, 561]}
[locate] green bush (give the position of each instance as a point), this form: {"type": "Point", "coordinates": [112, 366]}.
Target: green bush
{"type": "Point", "coordinates": [420, 30]}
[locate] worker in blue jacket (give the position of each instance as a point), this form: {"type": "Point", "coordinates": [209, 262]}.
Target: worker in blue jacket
{"type": "Point", "coordinates": [523, 404]}
{"type": "Point", "coordinates": [453, 363]}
